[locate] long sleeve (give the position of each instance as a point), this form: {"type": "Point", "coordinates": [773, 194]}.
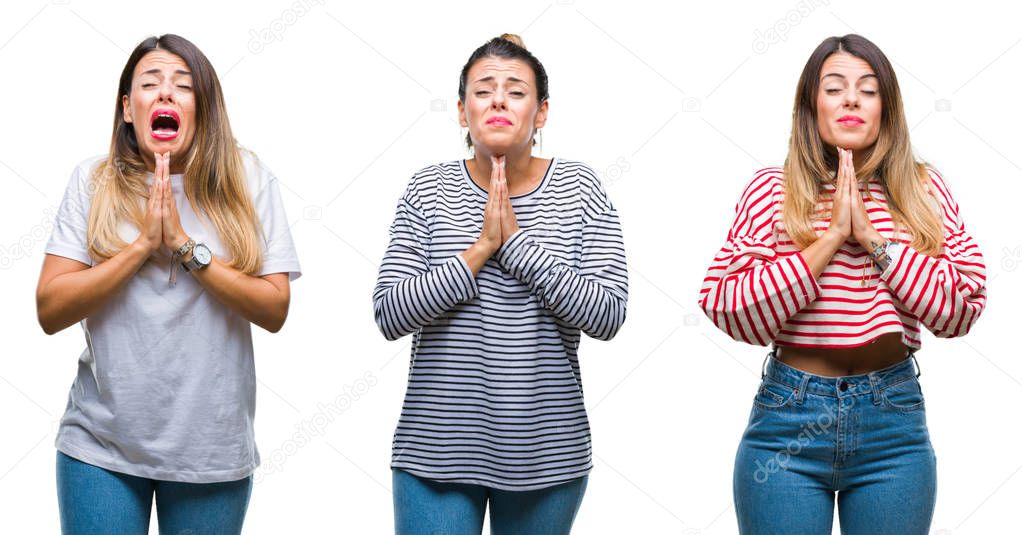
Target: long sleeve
{"type": "Point", "coordinates": [594, 297]}
{"type": "Point", "coordinates": [409, 294]}
{"type": "Point", "coordinates": [947, 294]}
{"type": "Point", "coordinates": [750, 291]}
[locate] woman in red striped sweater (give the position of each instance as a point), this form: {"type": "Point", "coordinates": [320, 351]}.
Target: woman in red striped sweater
{"type": "Point", "coordinates": [836, 260]}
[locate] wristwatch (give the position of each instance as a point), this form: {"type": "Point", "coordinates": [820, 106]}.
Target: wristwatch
{"type": "Point", "coordinates": [201, 257]}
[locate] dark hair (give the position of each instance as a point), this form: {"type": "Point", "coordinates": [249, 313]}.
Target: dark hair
{"type": "Point", "coordinates": [209, 97]}
{"type": "Point", "coordinates": [507, 46]}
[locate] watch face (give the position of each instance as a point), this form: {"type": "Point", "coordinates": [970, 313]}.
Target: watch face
{"type": "Point", "coordinates": [202, 254]}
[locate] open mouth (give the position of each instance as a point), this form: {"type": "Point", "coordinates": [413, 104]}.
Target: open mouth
{"type": "Point", "coordinates": [164, 124]}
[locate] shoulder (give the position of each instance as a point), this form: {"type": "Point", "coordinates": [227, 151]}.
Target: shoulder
{"type": "Point", "coordinates": [424, 183]}
{"type": "Point", "coordinates": [87, 167]}
{"type": "Point", "coordinates": [257, 174]}
{"type": "Point", "coordinates": [938, 186]}
{"type": "Point", "coordinates": [765, 187]}
{"type": "Point", "coordinates": [579, 178]}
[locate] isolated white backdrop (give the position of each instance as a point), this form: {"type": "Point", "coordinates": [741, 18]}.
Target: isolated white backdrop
{"type": "Point", "coordinates": [676, 105]}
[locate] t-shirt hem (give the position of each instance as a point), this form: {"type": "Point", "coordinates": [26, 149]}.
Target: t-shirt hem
{"type": "Point", "coordinates": [499, 485]}
{"type": "Point", "coordinates": [149, 472]}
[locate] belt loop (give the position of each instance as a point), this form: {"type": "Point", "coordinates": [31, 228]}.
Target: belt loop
{"type": "Point", "coordinates": [874, 383]}
{"type": "Point", "coordinates": [762, 369]}
{"type": "Point", "coordinates": [803, 386]}
{"type": "Point", "coordinates": [912, 355]}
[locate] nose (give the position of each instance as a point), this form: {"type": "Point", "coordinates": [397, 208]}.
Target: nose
{"type": "Point", "coordinates": [851, 99]}
{"type": "Point", "coordinates": [499, 102]}
{"type": "Point", "coordinates": [166, 91]}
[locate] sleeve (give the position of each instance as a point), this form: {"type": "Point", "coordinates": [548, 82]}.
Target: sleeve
{"type": "Point", "coordinates": [279, 254]}
{"type": "Point", "coordinates": [409, 294]}
{"type": "Point", "coordinates": [946, 293]}
{"type": "Point", "coordinates": [592, 298]}
{"type": "Point", "coordinates": [69, 238]}
{"type": "Point", "coordinates": [750, 290]}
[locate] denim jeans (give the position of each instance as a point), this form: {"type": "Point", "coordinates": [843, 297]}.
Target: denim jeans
{"type": "Point", "coordinates": [96, 501]}
{"type": "Point", "coordinates": [426, 507]}
{"type": "Point", "coordinates": [862, 437]}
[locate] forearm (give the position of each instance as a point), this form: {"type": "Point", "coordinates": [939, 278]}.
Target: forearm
{"type": "Point", "coordinates": [476, 256]}
{"type": "Point", "coordinates": [819, 254]}
{"type": "Point", "coordinates": [258, 300]}
{"type": "Point", "coordinates": [70, 297]}
{"type": "Point", "coordinates": [403, 304]}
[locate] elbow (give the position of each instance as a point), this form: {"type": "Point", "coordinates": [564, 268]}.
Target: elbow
{"type": "Point", "coordinates": [46, 319]}
{"type": "Point", "coordinates": [275, 321]}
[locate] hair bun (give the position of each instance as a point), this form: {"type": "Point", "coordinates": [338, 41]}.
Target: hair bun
{"type": "Point", "coordinates": [513, 38]}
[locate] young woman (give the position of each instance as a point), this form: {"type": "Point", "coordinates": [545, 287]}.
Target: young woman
{"type": "Point", "coordinates": [496, 264]}
{"type": "Point", "coordinates": [837, 260]}
{"type": "Point", "coordinates": [165, 250]}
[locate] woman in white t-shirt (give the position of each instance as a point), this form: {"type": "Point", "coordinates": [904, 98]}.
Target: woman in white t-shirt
{"type": "Point", "coordinates": [165, 250]}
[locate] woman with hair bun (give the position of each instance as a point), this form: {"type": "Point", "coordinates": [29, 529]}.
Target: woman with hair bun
{"type": "Point", "coordinates": [496, 264]}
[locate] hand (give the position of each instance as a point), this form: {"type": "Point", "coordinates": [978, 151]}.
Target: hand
{"type": "Point", "coordinates": [508, 220]}
{"type": "Point", "coordinates": [862, 228]}
{"type": "Point", "coordinates": [490, 238]}
{"type": "Point", "coordinates": [173, 234]}
{"type": "Point", "coordinates": [841, 200]}
{"type": "Point", "coordinates": [151, 235]}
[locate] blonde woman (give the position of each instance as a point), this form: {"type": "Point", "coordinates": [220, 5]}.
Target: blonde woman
{"type": "Point", "coordinates": [496, 265]}
{"type": "Point", "coordinates": [838, 260]}
{"type": "Point", "coordinates": [165, 251]}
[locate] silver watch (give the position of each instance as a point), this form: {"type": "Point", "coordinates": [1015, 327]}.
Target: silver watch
{"type": "Point", "coordinates": [201, 257]}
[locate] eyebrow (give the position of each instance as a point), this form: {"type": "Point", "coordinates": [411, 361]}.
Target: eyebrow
{"type": "Point", "coordinates": [158, 71]}
{"type": "Point", "coordinates": [839, 75]}
{"type": "Point", "coordinates": [511, 79]}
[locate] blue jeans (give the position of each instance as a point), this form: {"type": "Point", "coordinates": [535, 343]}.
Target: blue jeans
{"type": "Point", "coordinates": [94, 500]}
{"type": "Point", "coordinates": [426, 507]}
{"type": "Point", "coordinates": [863, 437]}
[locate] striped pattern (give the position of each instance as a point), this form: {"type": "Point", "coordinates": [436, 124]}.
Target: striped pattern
{"type": "Point", "coordinates": [760, 290]}
{"type": "Point", "coordinates": [495, 392]}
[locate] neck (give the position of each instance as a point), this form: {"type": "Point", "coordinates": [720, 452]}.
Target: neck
{"type": "Point", "coordinates": [516, 166]}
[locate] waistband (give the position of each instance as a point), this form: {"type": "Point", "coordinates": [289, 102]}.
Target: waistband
{"type": "Point", "coordinates": [843, 386]}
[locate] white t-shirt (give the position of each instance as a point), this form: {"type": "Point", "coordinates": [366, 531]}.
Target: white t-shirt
{"type": "Point", "coordinates": [166, 384]}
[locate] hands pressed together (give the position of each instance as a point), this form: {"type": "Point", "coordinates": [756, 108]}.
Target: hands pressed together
{"type": "Point", "coordinates": [849, 217]}
{"type": "Point", "coordinates": [499, 221]}
{"type": "Point", "coordinates": [162, 225]}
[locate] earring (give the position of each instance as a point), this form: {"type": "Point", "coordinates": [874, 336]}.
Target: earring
{"type": "Point", "coordinates": [540, 132]}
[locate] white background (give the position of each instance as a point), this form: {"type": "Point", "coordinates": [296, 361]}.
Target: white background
{"type": "Point", "coordinates": [676, 107]}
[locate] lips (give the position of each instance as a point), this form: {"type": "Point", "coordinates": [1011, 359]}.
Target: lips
{"type": "Point", "coordinates": [851, 120]}
{"type": "Point", "coordinates": [164, 124]}
{"type": "Point", "coordinates": [498, 121]}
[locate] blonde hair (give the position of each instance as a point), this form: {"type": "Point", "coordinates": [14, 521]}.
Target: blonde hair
{"type": "Point", "coordinates": [904, 180]}
{"type": "Point", "coordinates": [214, 178]}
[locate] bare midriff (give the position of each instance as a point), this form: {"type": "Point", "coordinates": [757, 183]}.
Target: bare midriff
{"type": "Point", "coordinates": [886, 350]}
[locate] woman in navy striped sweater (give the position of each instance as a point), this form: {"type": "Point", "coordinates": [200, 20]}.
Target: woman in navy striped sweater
{"type": "Point", "coordinates": [496, 265]}
{"type": "Point", "coordinates": [837, 259]}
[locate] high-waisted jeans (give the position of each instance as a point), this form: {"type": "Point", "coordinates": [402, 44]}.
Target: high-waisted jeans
{"type": "Point", "coordinates": [863, 437]}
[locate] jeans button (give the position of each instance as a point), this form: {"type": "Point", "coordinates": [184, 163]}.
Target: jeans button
{"type": "Point", "coordinates": [843, 386]}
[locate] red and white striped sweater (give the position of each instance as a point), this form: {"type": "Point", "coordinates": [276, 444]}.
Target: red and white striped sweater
{"type": "Point", "coordinates": [759, 288]}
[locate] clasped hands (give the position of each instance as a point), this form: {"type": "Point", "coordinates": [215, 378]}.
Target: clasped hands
{"type": "Point", "coordinates": [848, 216]}
{"type": "Point", "coordinates": [162, 224]}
